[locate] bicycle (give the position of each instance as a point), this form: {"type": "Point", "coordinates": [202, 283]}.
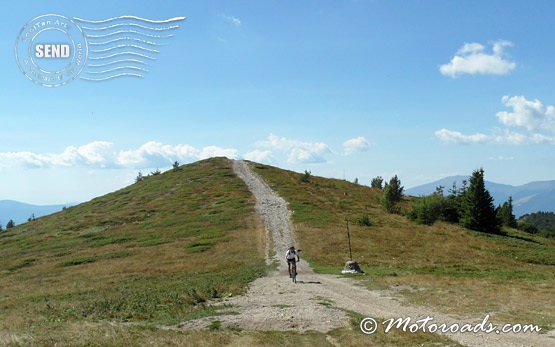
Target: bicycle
{"type": "Point", "coordinates": [294, 269]}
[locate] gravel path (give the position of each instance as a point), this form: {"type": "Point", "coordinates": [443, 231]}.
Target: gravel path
{"type": "Point", "coordinates": [318, 302]}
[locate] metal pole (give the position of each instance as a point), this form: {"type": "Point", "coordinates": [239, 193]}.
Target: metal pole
{"type": "Point", "coordinates": [349, 236]}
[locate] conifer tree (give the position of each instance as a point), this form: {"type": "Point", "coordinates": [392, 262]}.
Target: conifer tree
{"type": "Point", "coordinates": [505, 213]}
{"type": "Point", "coordinates": [377, 182]}
{"type": "Point", "coordinates": [477, 209]}
{"type": "Point", "coordinates": [392, 194]}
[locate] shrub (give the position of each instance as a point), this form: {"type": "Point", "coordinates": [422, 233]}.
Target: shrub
{"type": "Point", "coordinates": [427, 209]}
{"type": "Point", "coordinates": [377, 182]}
{"type": "Point", "coordinates": [306, 177]}
{"type": "Point", "coordinates": [364, 221]}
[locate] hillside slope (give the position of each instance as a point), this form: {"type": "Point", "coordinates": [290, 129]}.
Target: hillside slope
{"type": "Point", "coordinates": [443, 266]}
{"type": "Point", "coordinates": [320, 301]}
{"type": "Point", "coordinates": [151, 252]}
{"type": "Point", "coordinates": [156, 254]}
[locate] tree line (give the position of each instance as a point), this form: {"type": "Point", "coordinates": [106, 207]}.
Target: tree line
{"type": "Point", "coordinates": [541, 223]}
{"type": "Point", "coordinates": [470, 206]}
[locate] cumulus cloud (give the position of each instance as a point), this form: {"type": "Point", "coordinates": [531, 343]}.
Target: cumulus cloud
{"type": "Point", "coordinates": [533, 121]}
{"type": "Point", "coordinates": [358, 144]}
{"type": "Point", "coordinates": [153, 154]}
{"type": "Point", "coordinates": [472, 58]}
{"type": "Point", "coordinates": [531, 115]}
{"type": "Point", "coordinates": [259, 156]}
{"type": "Point", "coordinates": [298, 151]}
{"type": "Point", "coordinates": [100, 154]}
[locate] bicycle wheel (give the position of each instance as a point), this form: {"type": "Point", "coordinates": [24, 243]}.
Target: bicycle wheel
{"type": "Point", "coordinates": [294, 273]}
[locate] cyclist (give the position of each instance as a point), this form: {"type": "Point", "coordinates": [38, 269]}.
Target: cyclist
{"type": "Point", "coordinates": [291, 256]}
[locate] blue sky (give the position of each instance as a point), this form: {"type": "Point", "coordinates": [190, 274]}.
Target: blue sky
{"type": "Point", "coordinates": [345, 89]}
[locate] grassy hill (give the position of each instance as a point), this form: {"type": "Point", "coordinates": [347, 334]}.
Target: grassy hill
{"type": "Point", "coordinates": [442, 266]}
{"type": "Point", "coordinates": [150, 252]}
{"type": "Point", "coordinates": [117, 268]}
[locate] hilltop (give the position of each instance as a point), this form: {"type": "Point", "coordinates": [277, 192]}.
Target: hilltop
{"type": "Point", "coordinates": [138, 264]}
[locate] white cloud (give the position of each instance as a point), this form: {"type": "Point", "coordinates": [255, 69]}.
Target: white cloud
{"type": "Point", "coordinates": [472, 58]}
{"type": "Point", "coordinates": [153, 154]}
{"type": "Point", "coordinates": [535, 124]}
{"type": "Point", "coordinates": [298, 151]}
{"type": "Point", "coordinates": [502, 158]}
{"type": "Point", "coordinates": [358, 144]}
{"type": "Point", "coordinates": [97, 154]}
{"type": "Point", "coordinates": [215, 151]}
{"type": "Point", "coordinates": [501, 137]}
{"type": "Point", "coordinates": [236, 21]}
{"type": "Point", "coordinates": [259, 156]}
{"type": "Point", "coordinates": [101, 154]}
{"type": "Point", "coordinates": [459, 138]}
{"type": "Point", "coordinates": [532, 115]}
{"type": "Point", "coordinates": [539, 138]}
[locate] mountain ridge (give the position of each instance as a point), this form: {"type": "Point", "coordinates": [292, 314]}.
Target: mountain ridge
{"type": "Point", "coordinates": [20, 212]}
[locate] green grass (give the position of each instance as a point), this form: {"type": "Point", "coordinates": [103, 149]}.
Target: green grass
{"type": "Point", "coordinates": [199, 246]}
{"type": "Point", "coordinates": [451, 269]}
{"type": "Point", "coordinates": [79, 261]}
{"type": "Point", "coordinates": [155, 253]}
{"type": "Point", "coordinates": [22, 264]}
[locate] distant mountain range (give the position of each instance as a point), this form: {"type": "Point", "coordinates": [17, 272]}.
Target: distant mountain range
{"type": "Point", "coordinates": [528, 198]}
{"type": "Point", "coordinates": [20, 212]}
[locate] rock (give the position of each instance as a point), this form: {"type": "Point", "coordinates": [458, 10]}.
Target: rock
{"type": "Point", "coordinates": [352, 267]}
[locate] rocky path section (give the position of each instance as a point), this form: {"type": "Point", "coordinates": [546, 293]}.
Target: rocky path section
{"type": "Point", "coordinates": [273, 211]}
{"type": "Point", "coordinates": [319, 302]}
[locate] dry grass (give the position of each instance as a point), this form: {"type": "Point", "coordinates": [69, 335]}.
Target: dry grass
{"type": "Point", "coordinates": [133, 255]}
{"type": "Point", "coordinates": [449, 269]}
{"type": "Point", "coordinates": [111, 271]}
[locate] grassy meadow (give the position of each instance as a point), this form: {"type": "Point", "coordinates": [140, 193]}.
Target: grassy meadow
{"type": "Point", "coordinates": [442, 266]}
{"type": "Point", "coordinates": [122, 268]}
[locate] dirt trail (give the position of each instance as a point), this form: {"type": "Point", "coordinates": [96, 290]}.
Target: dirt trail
{"type": "Point", "coordinates": [318, 302]}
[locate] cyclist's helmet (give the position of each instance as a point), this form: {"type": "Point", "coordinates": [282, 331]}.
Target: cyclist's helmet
{"type": "Point", "coordinates": [291, 248]}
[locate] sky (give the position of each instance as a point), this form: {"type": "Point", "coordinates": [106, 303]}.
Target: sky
{"type": "Point", "coordinates": [349, 89]}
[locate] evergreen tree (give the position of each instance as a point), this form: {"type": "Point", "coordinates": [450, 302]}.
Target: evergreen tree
{"type": "Point", "coordinates": [477, 209]}
{"type": "Point", "coordinates": [392, 194]}
{"type": "Point", "coordinates": [10, 224]}
{"type": "Point", "coordinates": [396, 188]}
{"type": "Point", "coordinates": [505, 213]}
{"type": "Point", "coordinates": [139, 177]}
{"type": "Point", "coordinates": [377, 182]}
{"type": "Point", "coordinates": [306, 177]}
